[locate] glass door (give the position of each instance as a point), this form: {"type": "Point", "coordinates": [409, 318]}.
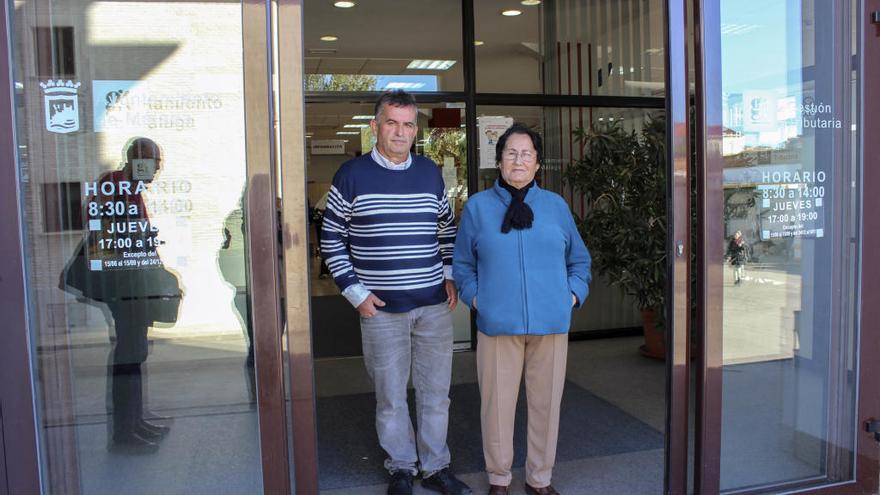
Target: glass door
{"type": "Point", "coordinates": [144, 166]}
{"type": "Point", "coordinates": [783, 190]}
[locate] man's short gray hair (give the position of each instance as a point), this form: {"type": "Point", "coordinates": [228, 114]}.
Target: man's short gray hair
{"type": "Point", "coordinates": [395, 98]}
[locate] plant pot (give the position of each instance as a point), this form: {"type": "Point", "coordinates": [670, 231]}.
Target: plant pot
{"type": "Point", "coordinates": [655, 340]}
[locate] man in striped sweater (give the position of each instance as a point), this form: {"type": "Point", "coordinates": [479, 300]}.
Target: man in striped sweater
{"type": "Point", "coordinates": [387, 238]}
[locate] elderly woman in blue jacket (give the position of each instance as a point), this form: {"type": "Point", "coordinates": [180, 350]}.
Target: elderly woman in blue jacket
{"type": "Point", "coordinates": [522, 265]}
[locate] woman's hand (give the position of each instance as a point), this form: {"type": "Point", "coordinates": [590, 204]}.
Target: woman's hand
{"type": "Point", "coordinates": [574, 300]}
{"type": "Point", "coordinates": [474, 303]}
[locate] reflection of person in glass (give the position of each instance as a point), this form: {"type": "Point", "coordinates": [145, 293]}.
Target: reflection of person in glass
{"type": "Point", "coordinates": [231, 261]}
{"type": "Point", "coordinates": [521, 263]}
{"type": "Point", "coordinates": [737, 255]}
{"type": "Point", "coordinates": [123, 270]}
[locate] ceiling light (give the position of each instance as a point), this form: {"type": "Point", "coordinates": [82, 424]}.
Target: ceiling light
{"type": "Point", "coordinates": [362, 117]}
{"type": "Point", "coordinates": [404, 85]}
{"type": "Point", "coordinates": [511, 13]}
{"type": "Point", "coordinates": [531, 2]}
{"type": "Point", "coordinates": [356, 126]}
{"type": "Point", "coordinates": [478, 43]}
{"type": "Point", "coordinates": [343, 5]}
{"type": "Point", "coordinates": [347, 133]}
{"type": "Point", "coordinates": [431, 64]}
{"type": "Point", "coordinates": [329, 38]}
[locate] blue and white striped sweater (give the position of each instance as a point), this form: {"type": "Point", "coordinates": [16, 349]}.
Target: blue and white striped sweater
{"type": "Point", "coordinates": [390, 230]}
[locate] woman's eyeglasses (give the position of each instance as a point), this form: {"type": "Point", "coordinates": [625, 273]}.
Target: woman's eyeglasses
{"type": "Point", "coordinates": [512, 155]}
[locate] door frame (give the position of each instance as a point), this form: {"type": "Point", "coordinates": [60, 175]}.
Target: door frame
{"type": "Point", "coordinates": [678, 250]}
{"type": "Point", "coordinates": [17, 413]}
{"type": "Point", "coordinates": [263, 250]}
{"type": "Point", "coordinates": [709, 127]}
{"type": "Point", "coordinates": [295, 224]}
{"type": "Point", "coordinates": [288, 63]}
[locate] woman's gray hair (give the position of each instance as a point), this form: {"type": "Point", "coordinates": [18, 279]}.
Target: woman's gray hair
{"type": "Point", "coordinates": [395, 98]}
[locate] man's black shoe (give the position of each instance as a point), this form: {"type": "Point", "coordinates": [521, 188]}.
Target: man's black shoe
{"type": "Point", "coordinates": [446, 483]}
{"type": "Point", "coordinates": [401, 483]}
{"type": "Point", "coordinates": [132, 443]}
{"type": "Point", "coordinates": [151, 429]}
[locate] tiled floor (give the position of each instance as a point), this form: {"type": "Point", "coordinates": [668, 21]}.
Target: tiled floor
{"type": "Point", "coordinates": [213, 445]}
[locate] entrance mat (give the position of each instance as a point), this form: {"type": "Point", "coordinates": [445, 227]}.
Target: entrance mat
{"type": "Point", "coordinates": [336, 328]}
{"type": "Point", "coordinates": [349, 453]}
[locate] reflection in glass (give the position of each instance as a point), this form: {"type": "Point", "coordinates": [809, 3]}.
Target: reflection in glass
{"type": "Point", "coordinates": [788, 399]}
{"type": "Point", "coordinates": [132, 166]}
{"type": "Point", "coordinates": [117, 263]}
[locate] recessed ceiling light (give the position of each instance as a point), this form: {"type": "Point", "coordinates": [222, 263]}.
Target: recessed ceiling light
{"type": "Point", "coordinates": [362, 117]}
{"type": "Point", "coordinates": [478, 43]}
{"type": "Point", "coordinates": [431, 64]}
{"type": "Point", "coordinates": [511, 13]}
{"type": "Point", "coordinates": [531, 2]}
{"type": "Point", "coordinates": [343, 5]}
{"type": "Point", "coordinates": [356, 126]}
{"type": "Point", "coordinates": [347, 133]}
{"type": "Point", "coordinates": [404, 85]}
{"type": "Point", "coordinates": [329, 38]}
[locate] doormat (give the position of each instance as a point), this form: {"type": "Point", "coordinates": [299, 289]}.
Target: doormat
{"type": "Point", "coordinates": [349, 453]}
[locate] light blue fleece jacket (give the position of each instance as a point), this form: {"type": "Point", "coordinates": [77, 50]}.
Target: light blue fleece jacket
{"type": "Point", "coordinates": [522, 280]}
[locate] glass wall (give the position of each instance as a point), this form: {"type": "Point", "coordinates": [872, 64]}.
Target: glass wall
{"type": "Point", "coordinates": [131, 138]}
{"type": "Point", "coordinates": [337, 132]}
{"type": "Point", "coordinates": [790, 191]}
{"type": "Point", "coordinates": [379, 45]}
{"type": "Point", "coordinates": [566, 47]}
{"type": "Point", "coordinates": [607, 307]}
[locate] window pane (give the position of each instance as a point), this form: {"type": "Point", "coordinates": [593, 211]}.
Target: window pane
{"type": "Point", "coordinates": [337, 132]}
{"type": "Point", "coordinates": [598, 47]}
{"type": "Point", "coordinates": [790, 189]}
{"type": "Point", "coordinates": [415, 46]}
{"type": "Point", "coordinates": [132, 166]}
{"type": "Point", "coordinates": [608, 307]}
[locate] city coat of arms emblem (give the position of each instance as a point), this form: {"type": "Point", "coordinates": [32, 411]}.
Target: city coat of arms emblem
{"type": "Point", "coordinates": [62, 107]}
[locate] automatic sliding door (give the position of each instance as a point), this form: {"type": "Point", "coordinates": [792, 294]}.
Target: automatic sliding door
{"type": "Point", "coordinates": [142, 132]}
{"type": "Point", "coordinates": [782, 240]}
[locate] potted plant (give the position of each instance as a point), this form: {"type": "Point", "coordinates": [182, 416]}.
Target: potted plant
{"type": "Point", "coordinates": [623, 179]}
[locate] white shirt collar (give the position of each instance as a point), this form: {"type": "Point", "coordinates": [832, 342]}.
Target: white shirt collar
{"type": "Point", "coordinates": [385, 162]}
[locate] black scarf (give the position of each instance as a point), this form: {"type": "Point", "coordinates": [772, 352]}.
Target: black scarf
{"type": "Point", "coordinates": [519, 215]}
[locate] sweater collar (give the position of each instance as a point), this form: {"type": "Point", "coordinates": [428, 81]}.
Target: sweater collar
{"type": "Point", "coordinates": [387, 163]}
